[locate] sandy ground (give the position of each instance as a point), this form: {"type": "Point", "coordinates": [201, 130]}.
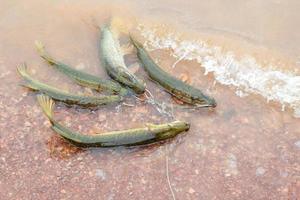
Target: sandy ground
{"type": "Point", "coordinates": [245, 148]}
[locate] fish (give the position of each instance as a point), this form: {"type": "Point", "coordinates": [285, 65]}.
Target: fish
{"type": "Point", "coordinates": [131, 137]}
{"type": "Point", "coordinates": [80, 77]}
{"type": "Point", "coordinates": [172, 85]}
{"type": "Point", "coordinates": [113, 61]}
{"type": "Point", "coordinates": [60, 95]}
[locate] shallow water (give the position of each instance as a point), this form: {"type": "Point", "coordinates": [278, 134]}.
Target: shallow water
{"type": "Point", "coordinates": [246, 148]}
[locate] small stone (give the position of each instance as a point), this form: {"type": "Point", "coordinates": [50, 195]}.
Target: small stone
{"type": "Point", "coordinates": [143, 181]}
{"type": "Point", "coordinates": [63, 191]}
{"type": "Point", "coordinates": [297, 144]}
{"type": "Point", "coordinates": [260, 171]}
{"type": "Point", "coordinates": [27, 124]}
{"type": "Point", "coordinates": [285, 190]}
{"type": "Point", "coordinates": [231, 165]}
{"type": "Point", "coordinates": [244, 120]}
{"type": "Point", "coordinates": [100, 174]}
{"type": "Point", "coordinates": [191, 191]}
{"type": "Point", "coordinates": [47, 123]}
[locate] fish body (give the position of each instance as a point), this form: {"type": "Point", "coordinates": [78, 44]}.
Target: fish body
{"type": "Point", "coordinates": [85, 101]}
{"type": "Point", "coordinates": [81, 78]}
{"type": "Point", "coordinates": [131, 137]}
{"type": "Point", "coordinates": [174, 86]}
{"type": "Point", "coordinates": [113, 61]}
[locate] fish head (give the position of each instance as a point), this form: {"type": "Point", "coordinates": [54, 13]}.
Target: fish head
{"type": "Point", "coordinates": [134, 83]}
{"type": "Point", "coordinates": [180, 125]}
{"type": "Point", "coordinates": [204, 101]}
{"type": "Point", "coordinates": [139, 87]}
{"type": "Point", "coordinates": [177, 127]}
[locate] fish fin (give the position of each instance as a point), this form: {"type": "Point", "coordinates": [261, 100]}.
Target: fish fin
{"type": "Point", "coordinates": [22, 70]}
{"type": "Point", "coordinates": [47, 105]}
{"type": "Point", "coordinates": [39, 47]}
{"type": "Point", "coordinates": [42, 52]}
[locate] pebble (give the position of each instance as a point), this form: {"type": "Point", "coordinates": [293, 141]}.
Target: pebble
{"type": "Point", "coordinates": [100, 174]}
{"type": "Point", "coordinates": [297, 144]}
{"type": "Point", "coordinates": [231, 165]}
{"type": "Point", "coordinates": [27, 124]}
{"type": "Point", "coordinates": [191, 191]}
{"type": "Point", "coordinates": [143, 181]}
{"type": "Point", "coordinates": [260, 171]}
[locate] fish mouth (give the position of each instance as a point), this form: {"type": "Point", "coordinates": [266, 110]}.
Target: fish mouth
{"type": "Point", "coordinates": [212, 104]}
{"type": "Point", "coordinates": [203, 101]}
{"type": "Point", "coordinates": [206, 105]}
{"type": "Point", "coordinates": [139, 88]}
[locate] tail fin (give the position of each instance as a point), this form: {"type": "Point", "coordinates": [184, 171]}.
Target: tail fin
{"type": "Point", "coordinates": [42, 52]}
{"type": "Point", "coordinates": [47, 105]}
{"type": "Point", "coordinates": [29, 82]}
{"type": "Point", "coordinates": [22, 70]}
{"type": "Point", "coordinates": [40, 47]}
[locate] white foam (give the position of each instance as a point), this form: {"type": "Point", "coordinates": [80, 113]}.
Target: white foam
{"type": "Point", "coordinates": [246, 74]}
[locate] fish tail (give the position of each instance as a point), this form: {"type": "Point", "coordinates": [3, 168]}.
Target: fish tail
{"type": "Point", "coordinates": [22, 70]}
{"type": "Point", "coordinates": [47, 105]}
{"type": "Point", "coordinates": [42, 52]}
{"type": "Point", "coordinates": [40, 47]}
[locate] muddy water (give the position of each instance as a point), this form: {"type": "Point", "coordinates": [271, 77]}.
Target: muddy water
{"type": "Point", "coordinates": [246, 148]}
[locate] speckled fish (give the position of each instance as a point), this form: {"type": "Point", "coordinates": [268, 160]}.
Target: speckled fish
{"type": "Point", "coordinates": [131, 137]}
{"type": "Point", "coordinates": [174, 86]}
{"type": "Point", "coordinates": [81, 78]}
{"type": "Point", "coordinates": [113, 61]}
{"type": "Point", "coordinates": [60, 95]}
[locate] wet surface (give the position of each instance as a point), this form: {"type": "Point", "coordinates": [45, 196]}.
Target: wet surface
{"type": "Point", "coordinates": [245, 148]}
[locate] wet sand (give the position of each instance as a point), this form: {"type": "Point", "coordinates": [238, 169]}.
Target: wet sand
{"type": "Point", "coordinates": [245, 148]}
